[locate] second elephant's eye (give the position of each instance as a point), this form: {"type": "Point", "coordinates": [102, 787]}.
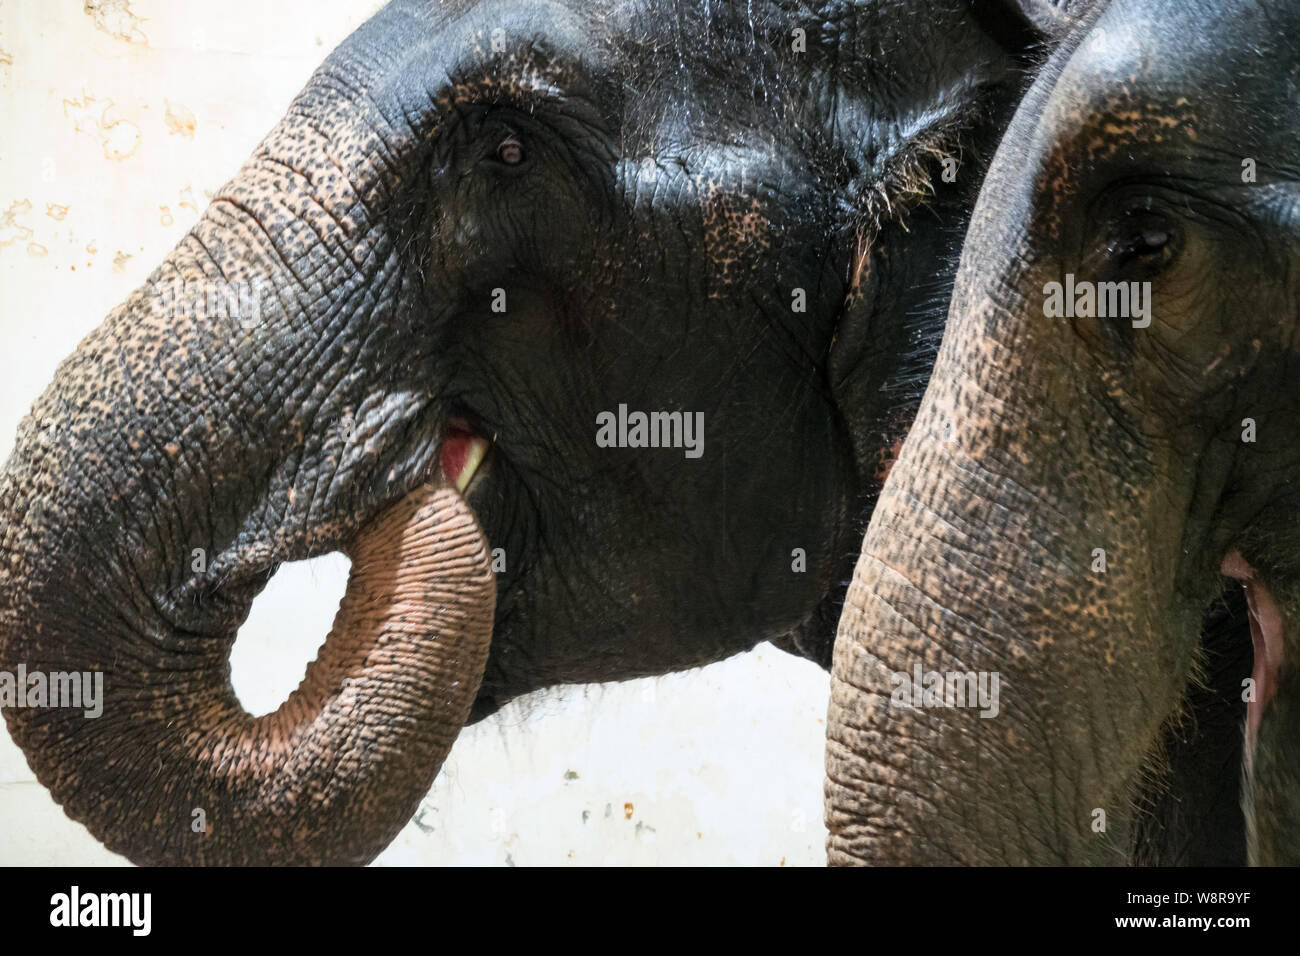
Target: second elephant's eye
{"type": "Point", "coordinates": [1143, 244]}
{"type": "Point", "coordinates": [510, 151]}
{"type": "Point", "coordinates": [1139, 244]}
{"type": "Point", "coordinates": [1142, 254]}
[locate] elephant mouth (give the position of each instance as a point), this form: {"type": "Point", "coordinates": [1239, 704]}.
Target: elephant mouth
{"type": "Point", "coordinates": [1266, 637]}
{"type": "Point", "coordinates": [463, 454]}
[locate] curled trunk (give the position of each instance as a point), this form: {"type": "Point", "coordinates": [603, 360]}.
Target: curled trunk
{"type": "Point", "coordinates": [259, 400]}
{"type": "Point", "coordinates": [174, 771]}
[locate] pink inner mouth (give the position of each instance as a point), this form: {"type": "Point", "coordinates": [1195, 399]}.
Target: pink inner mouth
{"type": "Point", "coordinates": [462, 453]}
{"type": "Point", "coordinates": [456, 447]}
{"type": "Point", "coordinates": [1266, 635]}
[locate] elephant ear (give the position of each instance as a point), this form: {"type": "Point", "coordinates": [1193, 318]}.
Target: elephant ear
{"type": "Point", "coordinates": [1023, 26]}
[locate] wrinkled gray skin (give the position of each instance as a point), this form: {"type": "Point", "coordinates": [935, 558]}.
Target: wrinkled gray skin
{"type": "Point", "coordinates": [1124, 163]}
{"type": "Point", "coordinates": [647, 185]}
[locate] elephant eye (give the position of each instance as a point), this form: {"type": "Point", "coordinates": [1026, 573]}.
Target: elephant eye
{"type": "Point", "coordinates": [1139, 245]}
{"type": "Point", "coordinates": [1145, 243]}
{"type": "Point", "coordinates": [510, 151]}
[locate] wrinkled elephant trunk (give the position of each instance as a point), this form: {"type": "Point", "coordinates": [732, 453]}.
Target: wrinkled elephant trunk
{"type": "Point", "coordinates": [1004, 670]}
{"type": "Point", "coordinates": [255, 403]}
{"type": "Point", "coordinates": [1023, 632]}
{"type": "Point", "coordinates": [997, 688]}
{"type": "Point", "coordinates": [174, 771]}
{"type": "Point", "coordinates": [1082, 475]}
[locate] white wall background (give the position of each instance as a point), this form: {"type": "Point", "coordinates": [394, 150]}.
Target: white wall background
{"type": "Point", "coordinates": [116, 118]}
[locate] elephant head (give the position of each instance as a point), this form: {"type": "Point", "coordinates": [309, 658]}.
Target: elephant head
{"type": "Point", "coordinates": [607, 316]}
{"type": "Point", "coordinates": [1108, 437]}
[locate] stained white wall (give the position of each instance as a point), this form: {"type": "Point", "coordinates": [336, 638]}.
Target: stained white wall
{"type": "Point", "coordinates": [115, 122]}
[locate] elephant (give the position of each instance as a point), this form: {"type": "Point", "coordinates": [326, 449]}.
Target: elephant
{"type": "Point", "coordinates": [1106, 448]}
{"type": "Point", "coordinates": [586, 330]}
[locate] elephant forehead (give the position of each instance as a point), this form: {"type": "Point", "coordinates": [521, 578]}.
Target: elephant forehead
{"type": "Point", "coordinates": [1086, 137]}
{"type": "Point", "coordinates": [1087, 123]}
